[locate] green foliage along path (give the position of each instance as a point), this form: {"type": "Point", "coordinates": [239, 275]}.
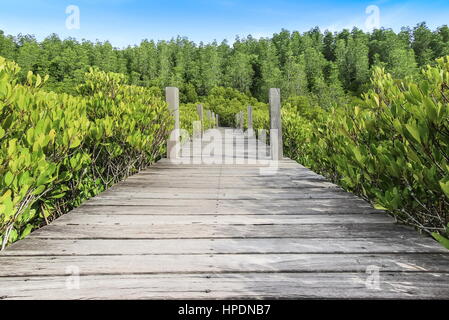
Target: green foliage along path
{"type": "Point", "coordinates": [57, 150]}
{"type": "Point", "coordinates": [392, 148]}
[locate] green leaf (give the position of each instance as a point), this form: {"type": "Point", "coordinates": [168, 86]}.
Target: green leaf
{"type": "Point", "coordinates": [444, 241]}
{"type": "Point", "coordinates": [39, 190]}
{"type": "Point", "coordinates": [27, 231]}
{"type": "Point", "coordinates": [414, 132]}
{"type": "Point", "coordinates": [357, 154]}
{"type": "Point", "coordinates": [75, 143]}
{"type": "Point", "coordinates": [58, 196]}
{"type": "Point", "coordinates": [445, 187]}
{"type": "Point", "coordinates": [30, 78]}
{"type": "Point", "coordinates": [38, 81]}
{"type": "Point", "coordinates": [416, 93]}
{"type": "Point", "coordinates": [24, 178]}
{"type": "Point", "coordinates": [8, 208]}
{"type": "Point", "coordinates": [431, 109]}
{"type": "Point", "coordinates": [7, 194]}
{"type": "Point", "coordinates": [380, 207]}
{"type": "Point", "coordinates": [9, 178]}
{"type": "Point", "coordinates": [13, 236]}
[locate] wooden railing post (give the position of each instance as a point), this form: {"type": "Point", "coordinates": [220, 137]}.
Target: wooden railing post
{"type": "Point", "coordinates": [208, 116]}
{"type": "Point", "coordinates": [250, 130]}
{"type": "Point", "coordinates": [277, 152]}
{"type": "Point", "coordinates": [200, 110]}
{"type": "Point", "coordinates": [197, 134]}
{"type": "Point", "coordinates": [172, 98]}
{"type": "Point", "coordinates": [250, 118]}
{"type": "Point", "coordinates": [242, 120]}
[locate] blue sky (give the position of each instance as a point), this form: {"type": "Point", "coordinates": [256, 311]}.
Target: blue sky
{"type": "Point", "coordinates": [127, 22]}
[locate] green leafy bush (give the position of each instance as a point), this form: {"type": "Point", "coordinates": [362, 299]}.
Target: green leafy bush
{"type": "Point", "coordinates": [227, 102]}
{"type": "Point", "coordinates": [57, 150]}
{"type": "Point", "coordinates": [392, 149]}
{"type": "Point", "coordinates": [188, 114]}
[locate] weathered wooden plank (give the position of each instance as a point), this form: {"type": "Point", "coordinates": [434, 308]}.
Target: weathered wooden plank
{"type": "Point", "coordinates": [226, 263]}
{"type": "Point", "coordinates": [239, 184]}
{"type": "Point", "coordinates": [228, 181]}
{"type": "Point", "coordinates": [211, 203]}
{"type": "Point", "coordinates": [149, 220]}
{"type": "Point", "coordinates": [235, 286]}
{"type": "Point", "coordinates": [222, 172]}
{"type": "Point", "coordinates": [220, 195]}
{"type": "Point", "coordinates": [244, 166]}
{"type": "Point", "coordinates": [236, 174]}
{"type": "Point", "coordinates": [247, 192]}
{"type": "Point", "coordinates": [233, 167]}
{"type": "Point", "coordinates": [230, 174]}
{"type": "Point", "coordinates": [53, 247]}
{"type": "Point", "coordinates": [212, 209]}
{"type": "Point", "coordinates": [205, 170]}
{"type": "Point", "coordinates": [262, 206]}
{"type": "Point", "coordinates": [298, 202]}
{"type": "Point", "coordinates": [217, 231]}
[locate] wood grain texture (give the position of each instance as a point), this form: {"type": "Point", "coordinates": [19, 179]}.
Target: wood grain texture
{"type": "Point", "coordinates": [225, 231]}
{"type": "Point", "coordinates": [97, 247]}
{"type": "Point", "coordinates": [217, 231]}
{"type": "Point", "coordinates": [225, 263]}
{"type": "Point", "coordinates": [348, 285]}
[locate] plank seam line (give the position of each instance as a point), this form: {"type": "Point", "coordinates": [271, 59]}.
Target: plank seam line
{"type": "Point", "coordinates": [231, 188]}
{"type": "Point", "coordinates": [351, 224]}
{"type": "Point", "coordinates": [414, 238]}
{"type": "Point", "coordinates": [249, 253]}
{"type": "Point", "coordinates": [220, 238]}
{"type": "Point", "coordinates": [343, 253]}
{"type": "Point", "coordinates": [224, 214]}
{"type": "Point", "coordinates": [213, 199]}
{"type": "Point", "coordinates": [209, 273]}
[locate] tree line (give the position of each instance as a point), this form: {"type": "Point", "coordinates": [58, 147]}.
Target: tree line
{"type": "Point", "coordinates": [324, 64]}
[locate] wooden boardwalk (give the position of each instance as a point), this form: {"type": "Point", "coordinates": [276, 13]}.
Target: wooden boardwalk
{"type": "Point", "coordinates": [197, 231]}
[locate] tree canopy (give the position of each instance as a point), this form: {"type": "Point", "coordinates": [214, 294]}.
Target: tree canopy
{"type": "Point", "coordinates": [298, 63]}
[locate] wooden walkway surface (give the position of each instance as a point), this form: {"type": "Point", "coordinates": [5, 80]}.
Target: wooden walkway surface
{"type": "Point", "coordinates": [198, 231]}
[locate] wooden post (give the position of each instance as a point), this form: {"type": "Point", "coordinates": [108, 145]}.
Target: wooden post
{"type": "Point", "coordinates": [172, 98]}
{"type": "Point", "coordinates": [197, 130]}
{"type": "Point", "coordinates": [200, 110]}
{"type": "Point", "coordinates": [276, 125]}
{"type": "Point", "coordinates": [250, 130]}
{"type": "Point", "coordinates": [262, 147]}
{"type": "Point", "coordinates": [208, 116]}
{"type": "Point", "coordinates": [250, 118]}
